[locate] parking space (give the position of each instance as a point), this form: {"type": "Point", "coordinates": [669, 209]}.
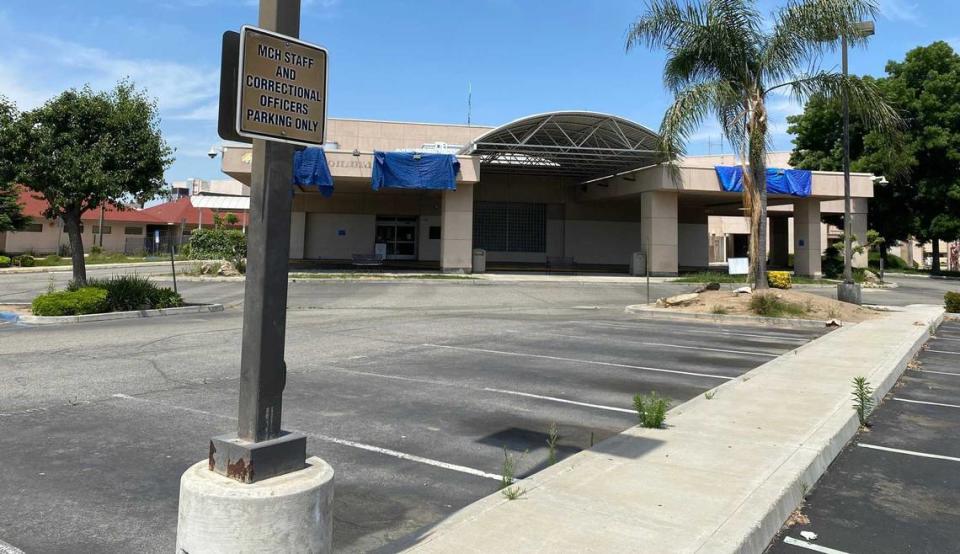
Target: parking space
{"type": "Point", "coordinates": [412, 408]}
{"type": "Point", "coordinates": [896, 487]}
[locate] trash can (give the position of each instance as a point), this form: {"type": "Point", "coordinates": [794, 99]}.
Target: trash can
{"type": "Point", "coordinates": [638, 264]}
{"type": "Point", "coordinates": [479, 260]}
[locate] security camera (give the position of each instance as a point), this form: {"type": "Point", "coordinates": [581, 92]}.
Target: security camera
{"type": "Point", "coordinates": [213, 152]}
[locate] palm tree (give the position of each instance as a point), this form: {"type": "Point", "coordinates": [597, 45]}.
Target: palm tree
{"type": "Point", "coordinates": [724, 59]}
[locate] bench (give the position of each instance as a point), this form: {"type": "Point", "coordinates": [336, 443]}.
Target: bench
{"type": "Point", "coordinates": [367, 260]}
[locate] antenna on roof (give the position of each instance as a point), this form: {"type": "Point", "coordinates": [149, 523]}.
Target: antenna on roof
{"type": "Point", "coordinates": [469, 101]}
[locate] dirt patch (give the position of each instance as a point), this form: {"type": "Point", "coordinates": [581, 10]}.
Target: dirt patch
{"type": "Point", "coordinates": [19, 309]}
{"type": "Point", "coordinates": [812, 306]}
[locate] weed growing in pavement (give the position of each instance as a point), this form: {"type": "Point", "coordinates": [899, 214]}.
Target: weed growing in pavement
{"type": "Point", "coordinates": [51, 286]}
{"type": "Point", "coordinates": [552, 438]}
{"type": "Point", "coordinates": [710, 394]}
{"type": "Point", "coordinates": [862, 399]}
{"type": "Point", "coordinates": [651, 409]}
{"type": "Point", "coordinates": [508, 476]}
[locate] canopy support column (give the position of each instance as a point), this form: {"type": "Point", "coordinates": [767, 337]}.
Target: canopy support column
{"type": "Point", "coordinates": [456, 230]}
{"type": "Point", "coordinates": [658, 231]}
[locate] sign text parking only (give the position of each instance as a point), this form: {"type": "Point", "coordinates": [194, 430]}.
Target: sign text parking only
{"type": "Point", "coordinates": [282, 89]}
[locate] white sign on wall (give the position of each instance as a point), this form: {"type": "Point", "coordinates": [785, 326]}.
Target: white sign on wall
{"type": "Point", "coordinates": [738, 266]}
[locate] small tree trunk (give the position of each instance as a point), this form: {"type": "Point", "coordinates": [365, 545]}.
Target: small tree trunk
{"type": "Point", "coordinates": [758, 219]}
{"type": "Point", "coordinates": [935, 263]}
{"type": "Point", "coordinates": [72, 224]}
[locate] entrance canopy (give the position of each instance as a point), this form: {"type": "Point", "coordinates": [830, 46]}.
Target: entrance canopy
{"type": "Point", "coordinates": [582, 145]}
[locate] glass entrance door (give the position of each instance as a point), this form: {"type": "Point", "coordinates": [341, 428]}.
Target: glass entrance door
{"type": "Point", "coordinates": [400, 236]}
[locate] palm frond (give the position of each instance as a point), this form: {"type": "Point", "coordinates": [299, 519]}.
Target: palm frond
{"type": "Point", "coordinates": [865, 98]}
{"type": "Point", "coordinates": [804, 29]}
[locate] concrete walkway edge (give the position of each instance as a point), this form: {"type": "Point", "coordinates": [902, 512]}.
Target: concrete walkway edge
{"type": "Point", "coordinates": [724, 475]}
{"type": "Point", "coordinates": [66, 319]}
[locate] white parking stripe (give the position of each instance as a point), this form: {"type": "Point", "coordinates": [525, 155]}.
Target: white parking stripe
{"type": "Point", "coordinates": [920, 371]}
{"type": "Point", "coordinates": [562, 400]}
{"type": "Point", "coordinates": [325, 438]}
{"type": "Point", "coordinates": [6, 548]}
{"type": "Point", "coordinates": [810, 546]}
{"type": "Point", "coordinates": [660, 344]}
{"type": "Point", "coordinates": [942, 351]}
{"type": "Point", "coordinates": [908, 452]}
{"type": "Point", "coordinates": [938, 337]}
{"type": "Point", "coordinates": [578, 361]}
{"type": "Point", "coordinates": [898, 399]}
{"type": "Point", "coordinates": [697, 332]}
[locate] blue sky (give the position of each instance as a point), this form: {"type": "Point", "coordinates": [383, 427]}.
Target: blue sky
{"type": "Point", "coordinates": [389, 59]}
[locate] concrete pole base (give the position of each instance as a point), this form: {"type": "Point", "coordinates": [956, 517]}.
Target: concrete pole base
{"type": "Point", "coordinates": [850, 293]}
{"type": "Point", "coordinates": [289, 513]}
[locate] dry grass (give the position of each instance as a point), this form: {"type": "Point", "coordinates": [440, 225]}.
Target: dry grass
{"type": "Point", "coordinates": [815, 307]}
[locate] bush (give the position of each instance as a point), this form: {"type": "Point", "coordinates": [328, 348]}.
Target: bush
{"type": "Point", "coordinates": [651, 409]}
{"type": "Point", "coordinates": [5, 261]}
{"type": "Point", "coordinates": [24, 261]}
{"type": "Point", "coordinates": [219, 244]}
{"type": "Point", "coordinates": [96, 250]}
{"type": "Point", "coordinates": [779, 279]}
{"type": "Point", "coordinates": [951, 302]}
{"type": "Point", "coordinates": [768, 305]}
{"type": "Point", "coordinates": [832, 262]}
{"type": "Point", "coordinates": [134, 292]}
{"type": "Point", "coordinates": [86, 300]}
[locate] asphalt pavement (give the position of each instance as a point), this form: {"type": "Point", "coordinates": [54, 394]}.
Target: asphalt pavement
{"type": "Point", "coordinates": [896, 486]}
{"type": "Point", "coordinates": [412, 391]}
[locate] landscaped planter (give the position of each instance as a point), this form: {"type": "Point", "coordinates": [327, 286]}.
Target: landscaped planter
{"type": "Point", "coordinates": [109, 316]}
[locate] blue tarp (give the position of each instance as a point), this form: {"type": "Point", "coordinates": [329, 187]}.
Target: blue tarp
{"type": "Point", "coordinates": [795, 182]}
{"type": "Point", "coordinates": [310, 169]}
{"type": "Point", "coordinates": [409, 170]}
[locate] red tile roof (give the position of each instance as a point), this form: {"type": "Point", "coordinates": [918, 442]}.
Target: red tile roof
{"type": "Point", "coordinates": [172, 213]}
{"type": "Point", "coordinates": [169, 213]}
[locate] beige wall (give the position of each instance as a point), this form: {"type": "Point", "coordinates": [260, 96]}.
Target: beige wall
{"type": "Point", "coordinates": [322, 240]}
{"type": "Point", "coordinates": [45, 242]}
{"type": "Point", "coordinates": [368, 135]}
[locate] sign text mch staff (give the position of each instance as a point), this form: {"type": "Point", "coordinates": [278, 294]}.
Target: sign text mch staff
{"type": "Point", "coordinates": [282, 88]}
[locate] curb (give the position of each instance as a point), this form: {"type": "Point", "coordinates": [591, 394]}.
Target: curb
{"type": "Point", "coordinates": [562, 508]}
{"type": "Point", "coordinates": [806, 467]}
{"type": "Point", "coordinates": [645, 311]}
{"type": "Point", "coordinates": [68, 319]}
{"type": "Point", "coordinates": [90, 267]}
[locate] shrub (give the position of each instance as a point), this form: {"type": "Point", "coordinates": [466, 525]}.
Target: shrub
{"type": "Point", "coordinates": [5, 261]}
{"type": "Point", "coordinates": [134, 292]}
{"type": "Point", "coordinates": [951, 302]}
{"type": "Point", "coordinates": [779, 279]}
{"type": "Point", "coordinates": [768, 305]}
{"type": "Point", "coordinates": [86, 300]}
{"type": "Point", "coordinates": [220, 244]}
{"type": "Point", "coordinates": [24, 261]}
{"type": "Point", "coordinates": [96, 250]}
{"type": "Point", "coordinates": [651, 409]}
{"type": "Point", "coordinates": [832, 262]}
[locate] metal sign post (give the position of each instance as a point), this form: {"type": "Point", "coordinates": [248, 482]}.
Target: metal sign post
{"type": "Point", "coordinates": [282, 98]}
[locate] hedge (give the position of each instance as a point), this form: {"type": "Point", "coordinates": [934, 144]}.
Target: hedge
{"type": "Point", "coordinates": [220, 244]}
{"type": "Point", "coordinates": [87, 300]}
{"type": "Point", "coordinates": [779, 279]}
{"type": "Point", "coordinates": [5, 261]}
{"type": "Point", "coordinates": [951, 301]}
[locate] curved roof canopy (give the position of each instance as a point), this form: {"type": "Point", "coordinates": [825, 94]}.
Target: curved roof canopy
{"type": "Point", "coordinates": [584, 145]}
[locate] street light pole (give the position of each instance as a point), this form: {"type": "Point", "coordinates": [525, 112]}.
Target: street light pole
{"type": "Point", "coordinates": [848, 290]}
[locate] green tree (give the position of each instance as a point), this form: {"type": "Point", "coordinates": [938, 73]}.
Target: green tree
{"type": "Point", "coordinates": [818, 146]}
{"type": "Point", "coordinates": [84, 149]}
{"type": "Point", "coordinates": [926, 86]}
{"type": "Point", "coordinates": [725, 60]}
{"type": "Point", "coordinates": [11, 212]}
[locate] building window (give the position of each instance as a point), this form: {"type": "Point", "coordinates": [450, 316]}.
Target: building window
{"type": "Point", "coordinates": [106, 229]}
{"type": "Point", "coordinates": [510, 227]}
{"type": "Point", "coordinates": [434, 232]}
{"type": "Point", "coordinates": [133, 230]}
{"type": "Point", "coordinates": [33, 228]}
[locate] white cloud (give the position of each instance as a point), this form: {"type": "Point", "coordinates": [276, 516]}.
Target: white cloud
{"type": "Point", "coordinates": [900, 10]}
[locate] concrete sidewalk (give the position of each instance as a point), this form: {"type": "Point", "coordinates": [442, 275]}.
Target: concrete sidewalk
{"type": "Point", "coordinates": [724, 475]}
{"type": "Point", "coordinates": [91, 267]}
